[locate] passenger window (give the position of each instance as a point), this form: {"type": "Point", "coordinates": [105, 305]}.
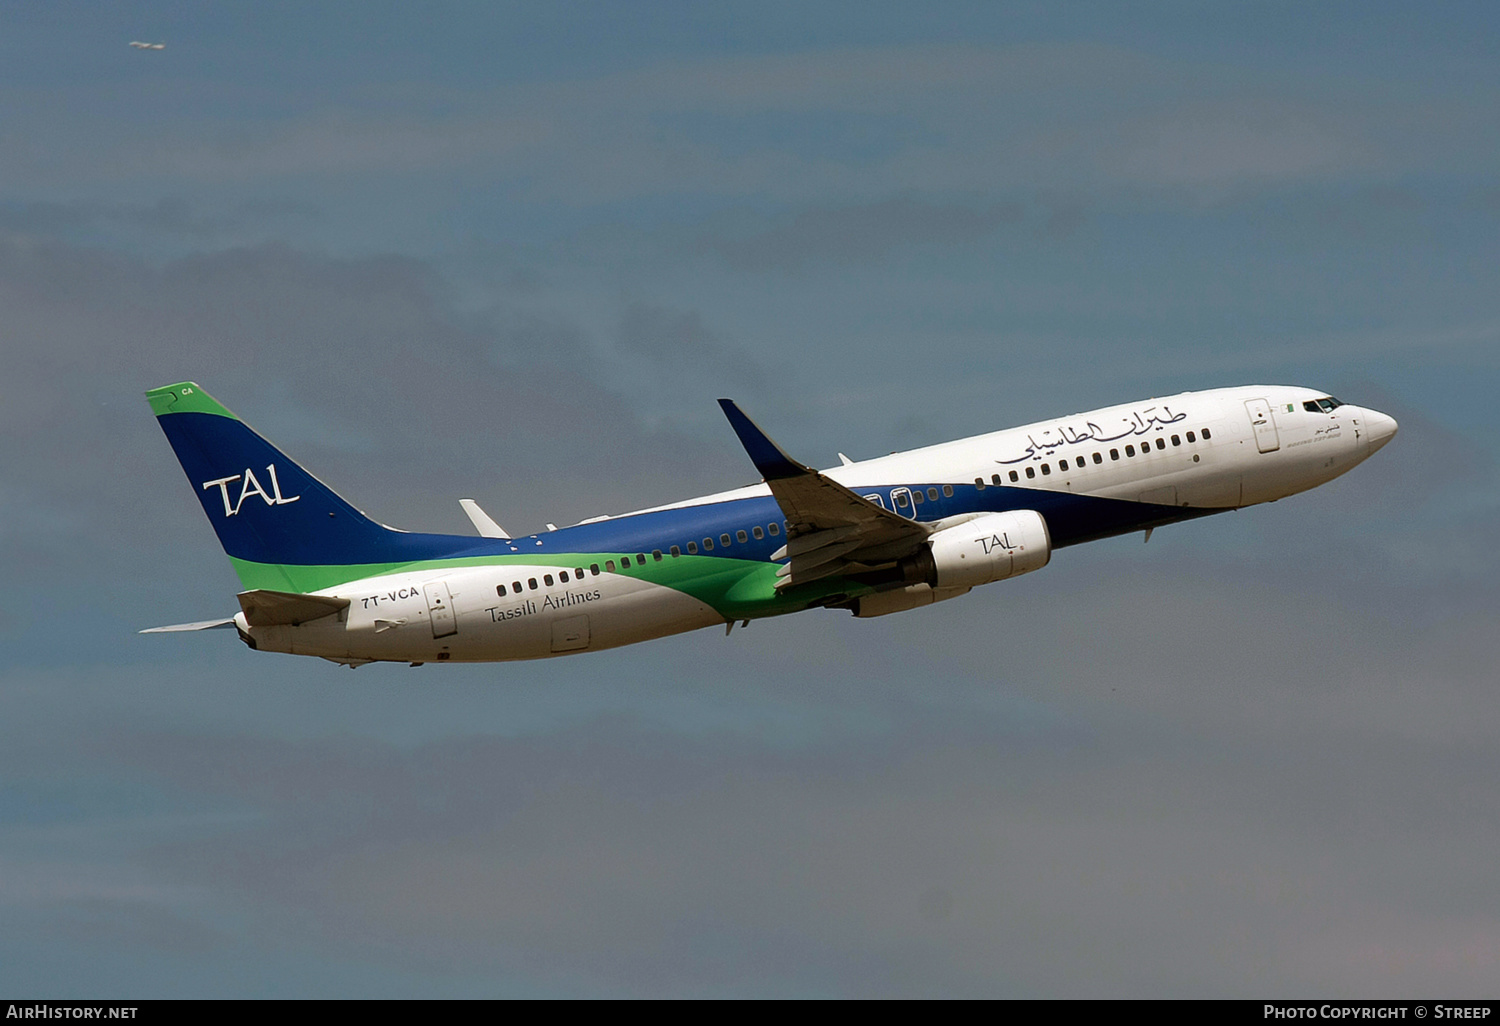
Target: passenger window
{"type": "Point", "coordinates": [708, 544]}
{"type": "Point", "coordinates": [1192, 437]}
{"type": "Point", "coordinates": [531, 582]}
{"type": "Point", "coordinates": [563, 576]}
{"type": "Point", "coordinates": [1176, 440]}
{"type": "Point", "coordinates": [948, 491]}
{"type": "Point", "coordinates": [1046, 469]}
{"type": "Point", "coordinates": [996, 477]}
{"type": "Point", "coordinates": [594, 569]}
{"type": "Point", "coordinates": [1161, 443]}
{"type": "Point", "coordinates": [609, 565]}
{"type": "Point", "coordinates": [1098, 458]}
{"type": "Point", "coordinates": [741, 537]}
{"type": "Point", "coordinates": [692, 548]}
{"type": "Point", "coordinates": [640, 559]}
{"type": "Point", "coordinates": [1031, 472]}
{"type": "Point", "coordinates": [724, 540]}
{"type": "Point", "coordinates": [547, 580]}
{"type": "Point", "coordinates": [1062, 464]}
{"type": "Point", "coordinates": [676, 551]}
{"type": "Point", "coordinates": [775, 529]}
{"type": "Point", "coordinates": [758, 533]}
{"type": "Point", "coordinates": [515, 586]}
{"type": "Point", "coordinates": [979, 483]}
{"type": "Point", "coordinates": [1013, 476]}
{"type": "Point", "coordinates": [1130, 450]}
{"type": "Point", "coordinates": [656, 555]}
{"type": "Point", "coordinates": [624, 563]}
{"type": "Point", "coordinates": [901, 499]}
{"type": "Point", "coordinates": [1206, 435]}
{"type": "Point", "coordinates": [918, 498]}
{"type": "Point", "coordinates": [1114, 454]}
{"type": "Point", "coordinates": [500, 590]}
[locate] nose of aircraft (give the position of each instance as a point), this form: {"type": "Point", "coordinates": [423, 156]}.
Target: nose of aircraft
{"type": "Point", "coordinates": [1379, 429]}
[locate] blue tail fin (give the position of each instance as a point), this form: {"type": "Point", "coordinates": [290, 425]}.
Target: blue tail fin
{"type": "Point", "coordinates": [281, 527]}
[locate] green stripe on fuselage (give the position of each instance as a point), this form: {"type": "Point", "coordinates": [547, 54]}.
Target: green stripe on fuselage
{"type": "Point", "coordinates": [735, 588]}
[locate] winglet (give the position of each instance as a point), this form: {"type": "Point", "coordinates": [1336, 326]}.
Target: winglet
{"type": "Point", "coordinates": [769, 458]}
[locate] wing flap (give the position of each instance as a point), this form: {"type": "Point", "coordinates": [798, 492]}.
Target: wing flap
{"type": "Point", "coordinates": [816, 558]}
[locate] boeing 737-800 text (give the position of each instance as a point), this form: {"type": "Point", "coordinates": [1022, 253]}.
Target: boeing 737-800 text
{"type": "Point", "coordinates": [874, 537]}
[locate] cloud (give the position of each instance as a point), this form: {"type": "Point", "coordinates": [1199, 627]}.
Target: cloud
{"type": "Point", "coordinates": [860, 123]}
{"type": "Point", "coordinates": [1224, 146]}
{"type": "Point", "coordinates": [633, 861]}
{"type": "Point", "coordinates": [359, 368]}
{"type": "Point", "coordinates": [680, 339]}
{"type": "Point", "coordinates": [170, 216]}
{"type": "Point", "coordinates": [861, 234]}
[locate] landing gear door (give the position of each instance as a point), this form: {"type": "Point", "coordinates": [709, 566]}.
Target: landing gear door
{"type": "Point", "coordinates": [1266, 439]}
{"type": "Point", "coordinates": [440, 609]}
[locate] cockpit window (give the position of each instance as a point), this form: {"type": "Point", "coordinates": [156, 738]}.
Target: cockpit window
{"type": "Point", "coordinates": [1327, 405]}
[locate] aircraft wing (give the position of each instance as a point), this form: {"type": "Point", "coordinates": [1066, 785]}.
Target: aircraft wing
{"type": "Point", "coordinates": [830, 530]}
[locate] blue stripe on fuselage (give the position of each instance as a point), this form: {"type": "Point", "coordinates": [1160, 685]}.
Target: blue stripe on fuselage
{"type": "Point", "coordinates": [1071, 519]}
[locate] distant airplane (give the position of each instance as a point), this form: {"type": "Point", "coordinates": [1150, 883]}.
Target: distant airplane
{"type": "Point", "coordinates": [873, 537]}
{"type": "Point", "coordinates": [149, 46]}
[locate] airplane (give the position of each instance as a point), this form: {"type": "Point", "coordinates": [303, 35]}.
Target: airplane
{"type": "Point", "coordinates": [873, 537]}
{"type": "Point", "coordinates": [148, 46]}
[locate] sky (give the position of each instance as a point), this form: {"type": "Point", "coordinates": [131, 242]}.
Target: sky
{"type": "Point", "coordinates": [514, 251]}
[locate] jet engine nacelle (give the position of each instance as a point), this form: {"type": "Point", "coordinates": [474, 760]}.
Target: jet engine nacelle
{"type": "Point", "coordinates": [987, 548]}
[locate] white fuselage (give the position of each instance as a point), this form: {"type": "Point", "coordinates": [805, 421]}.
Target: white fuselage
{"type": "Point", "coordinates": [1090, 475]}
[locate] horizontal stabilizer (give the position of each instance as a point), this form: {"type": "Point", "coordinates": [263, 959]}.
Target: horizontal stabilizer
{"type": "Point", "coordinates": [271, 608]}
{"type": "Point", "coordinates": [201, 625]}
{"type": "Point", "coordinates": [481, 520]}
